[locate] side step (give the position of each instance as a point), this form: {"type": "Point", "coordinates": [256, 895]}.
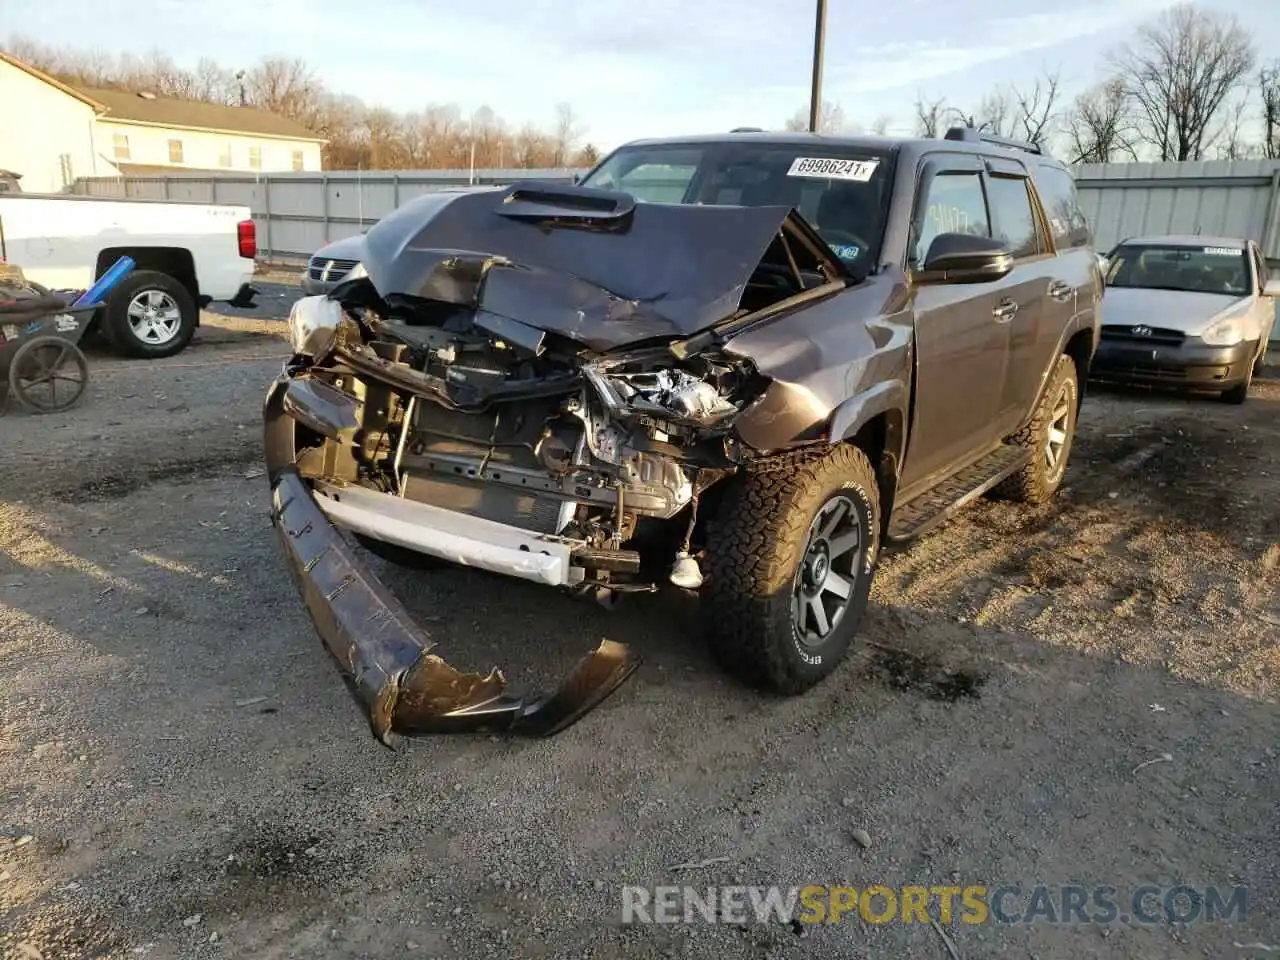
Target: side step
{"type": "Point", "coordinates": [925, 511]}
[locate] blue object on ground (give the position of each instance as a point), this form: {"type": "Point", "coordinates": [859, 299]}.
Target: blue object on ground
{"type": "Point", "coordinates": [106, 283]}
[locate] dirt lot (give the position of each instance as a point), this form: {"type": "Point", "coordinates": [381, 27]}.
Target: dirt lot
{"type": "Point", "coordinates": [196, 782]}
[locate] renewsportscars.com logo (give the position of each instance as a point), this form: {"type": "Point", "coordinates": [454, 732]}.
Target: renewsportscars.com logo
{"type": "Point", "coordinates": [972, 904]}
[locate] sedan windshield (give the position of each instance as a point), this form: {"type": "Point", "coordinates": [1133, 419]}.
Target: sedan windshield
{"type": "Point", "coordinates": [1205, 269]}
{"type": "Point", "coordinates": [841, 191]}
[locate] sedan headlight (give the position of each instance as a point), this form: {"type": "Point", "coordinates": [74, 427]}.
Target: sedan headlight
{"type": "Point", "coordinates": [1224, 333]}
{"type": "Point", "coordinates": [313, 323]}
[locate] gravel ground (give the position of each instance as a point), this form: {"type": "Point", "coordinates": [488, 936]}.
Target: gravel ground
{"type": "Point", "coordinates": [196, 781]}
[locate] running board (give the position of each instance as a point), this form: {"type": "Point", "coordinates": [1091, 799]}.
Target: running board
{"type": "Point", "coordinates": [925, 511]}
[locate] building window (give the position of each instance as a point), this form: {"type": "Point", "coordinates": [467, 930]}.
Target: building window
{"type": "Point", "coordinates": [120, 145]}
{"type": "Point", "coordinates": [224, 155]}
{"type": "Point", "coordinates": [297, 160]}
{"type": "Point", "coordinates": [175, 151]}
{"type": "Point", "coordinates": [255, 158]}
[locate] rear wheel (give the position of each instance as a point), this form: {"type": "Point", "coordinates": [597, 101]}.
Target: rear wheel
{"type": "Point", "coordinates": [1049, 436]}
{"type": "Point", "coordinates": [150, 315]}
{"type": "Point", "coordinates": [791, 556]}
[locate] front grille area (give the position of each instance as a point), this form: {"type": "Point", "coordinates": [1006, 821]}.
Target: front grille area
{"type": "Point", "coordinates": [337, 268]}
{"type": "Point", "coordinates": [1158, 336]}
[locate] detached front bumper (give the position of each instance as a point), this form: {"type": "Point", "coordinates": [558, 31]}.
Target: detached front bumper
{"type": "Point", "coordinates": [404, 685]}
{"type": "Point", "coordinates": [1192, 365]}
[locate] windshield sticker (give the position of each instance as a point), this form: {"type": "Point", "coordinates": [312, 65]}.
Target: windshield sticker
{"type": "Point", "coordinates": [845, 251]}
{"type": "Point", "coordinates": [1221, 252]}
{"type": "Point", "coordinates": [829, 168]}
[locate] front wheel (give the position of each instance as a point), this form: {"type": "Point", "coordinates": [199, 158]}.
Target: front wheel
{"type": "Point", "coordinates": [791, 556]}
{"type": "Point", "coordinates": [1240, 392]}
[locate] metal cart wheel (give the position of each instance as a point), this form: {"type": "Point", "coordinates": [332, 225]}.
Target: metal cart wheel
{"type": "Point", "coordinates": [48, 374]}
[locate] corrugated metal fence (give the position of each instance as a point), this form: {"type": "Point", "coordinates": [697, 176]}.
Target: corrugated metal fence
{"type": "Point", "coordinates": [300, 212]}
{"type": "Point", "coordinates": [297, 213]}
{"type": "Point", "coordinates": [1228, 198]}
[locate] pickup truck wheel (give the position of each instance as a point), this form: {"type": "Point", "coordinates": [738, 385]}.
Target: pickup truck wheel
{"type": "Point", "coordinates": [791, 556]}
{"type": "Point", "coordinates": [1049, 435]}
{"type": "Point", "coordinates": [150, 315]}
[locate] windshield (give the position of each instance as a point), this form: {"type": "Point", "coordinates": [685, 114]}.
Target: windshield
{"type": "Point", "coordinates": [841, 191]}
{"type": "Point", "coordinates": [1178, 267]}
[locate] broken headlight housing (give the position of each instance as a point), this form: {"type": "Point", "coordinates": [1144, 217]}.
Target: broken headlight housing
{"type": "Point", "coordinates": [703, 394]}
{"type": "Point", "coordinates": [313, 324]}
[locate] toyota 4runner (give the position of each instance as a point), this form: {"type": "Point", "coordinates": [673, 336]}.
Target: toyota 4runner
{"type": "Point", "coordinates": [742, 364]}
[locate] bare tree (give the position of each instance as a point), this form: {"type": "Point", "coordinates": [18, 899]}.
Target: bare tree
{"type": "Point", "coordinates": [1232, 141]}
{"type": "Point", "coordinates": [588, 156]}
{"type": "Point", "coordinates": [566, 132]}
{"type": "Point", "coordinates": [996, 114]}
{"type": "Point", "coordinates": [1269, 89]}
{"type": "Point", "coordinates": [831, 118]}
{"type": "Point", "coordinates": [881, 124]}
{"type": "Point", "coordinates": [930, 115]}
{"type": "Point", "coordinates": [1099, 128]}
{"type": "Point", "coordinates": [1182, 69]}
{"type": "Point", "coordinates": [1036, 110]}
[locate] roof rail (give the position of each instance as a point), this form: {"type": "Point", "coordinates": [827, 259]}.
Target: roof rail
{"type": "Point", "coordinates": [747, 130]}
{"type": "Point", "coordinates": [973, 135]}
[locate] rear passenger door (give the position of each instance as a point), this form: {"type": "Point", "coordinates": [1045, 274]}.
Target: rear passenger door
{"type": "Point", "coordinates": [1041, 302]}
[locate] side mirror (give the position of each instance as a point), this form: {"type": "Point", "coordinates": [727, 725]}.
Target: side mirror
{"type": "Point", "coordinates": [1271, 288]}
{"type": "Point", "coordinates": [963, 258]}
{"type": "Point", "coordinates": [577, 178]}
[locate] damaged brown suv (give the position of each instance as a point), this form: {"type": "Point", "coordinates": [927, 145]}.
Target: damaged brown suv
{"type": "Point", "coordinates": [738, 364]}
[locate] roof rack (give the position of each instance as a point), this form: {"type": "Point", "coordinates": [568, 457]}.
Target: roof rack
{"type": "Point", "coordinates": [973, 135]}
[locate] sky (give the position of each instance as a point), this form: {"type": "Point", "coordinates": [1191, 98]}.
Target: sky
{"type": "Point", "coordinates": [652, 68]}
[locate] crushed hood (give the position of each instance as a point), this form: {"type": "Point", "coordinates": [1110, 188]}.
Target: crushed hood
{"type": "Point", "coordinates": [591, 265]}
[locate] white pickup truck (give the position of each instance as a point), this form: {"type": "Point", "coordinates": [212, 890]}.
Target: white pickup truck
{"type": "Point", "coordinates": [187, 255]}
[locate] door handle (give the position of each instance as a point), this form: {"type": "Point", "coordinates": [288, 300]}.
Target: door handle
{"type": "Point", "coordinates": [1004, 310]}
{"type": "Point", "coordinates": [1060, 290]}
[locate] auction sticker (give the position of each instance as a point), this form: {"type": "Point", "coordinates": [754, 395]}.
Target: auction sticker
{"type": "Point", "coordinates": [1221, 252]}
{"type": "Point", "coordinates": [833, 169]}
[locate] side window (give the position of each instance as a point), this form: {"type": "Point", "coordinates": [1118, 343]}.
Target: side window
{"type": "Point", "coordinates": [1061, 203]}
{"type": "Point", "coordinates": [657, 182]}
{"type": "Point", "coordinates": [952, 202]}
{"type": "Point", "coordinates": [1014, 221]}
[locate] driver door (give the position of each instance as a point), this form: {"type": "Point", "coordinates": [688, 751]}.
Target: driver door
{"type": "Point", "coordinates": [962, 336]}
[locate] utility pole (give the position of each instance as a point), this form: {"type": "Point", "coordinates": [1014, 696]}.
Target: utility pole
{"type": "Point", "coordinates": [819, 38]}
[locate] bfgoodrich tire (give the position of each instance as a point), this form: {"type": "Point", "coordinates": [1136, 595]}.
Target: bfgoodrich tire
{"type": "Point", "coordinates": [791, 555]}
{"type": "Point", "coordinates": [150, 315]}
{"type": "Point", "coordinates": [1049, 436]}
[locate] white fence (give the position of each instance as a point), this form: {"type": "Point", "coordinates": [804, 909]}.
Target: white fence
{"type": "Point", "coordinates": [299, 212]}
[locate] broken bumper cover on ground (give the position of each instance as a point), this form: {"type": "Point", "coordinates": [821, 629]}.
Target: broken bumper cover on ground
{"type": "Point", "coordinates": [406, 687]}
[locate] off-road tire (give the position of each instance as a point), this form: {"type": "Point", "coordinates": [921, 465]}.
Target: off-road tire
{"type": "Point", "coordinates": [115, 319]}
{"type": "Point", "coordinates": [754, 547]}
{"type": "Point", "coordinates": [400, 556]}
{"type": "Point", "coordinates": [1036, 482]}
